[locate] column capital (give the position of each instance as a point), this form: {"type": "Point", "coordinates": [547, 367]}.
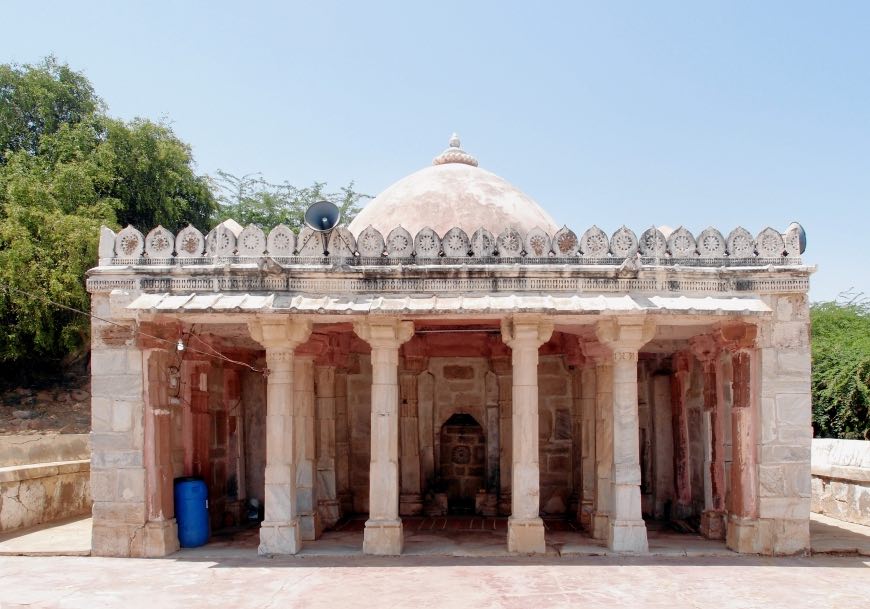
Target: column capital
{"type": "Point", "coordinates": [625, 336]}
{"type": "Point", "coordinates": [384, 333]}
{"type": "Point", "coordinates": [280, 332]}
{"type": "Point", "coordinates": [532, 330]}
{"type": "Point", "coordinates": [705, 348]}
{"type": "Point", "coordinates": [735, 336]}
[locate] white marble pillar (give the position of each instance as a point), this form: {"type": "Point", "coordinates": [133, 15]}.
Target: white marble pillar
{"type": "Point", "coordinates": [587, 446]}
{"type": "Point", "coordinates": [325, 413]}
{"type": "Point", "coordinates": [624, 336]}
{"type": "Point", "coordinates": [600, 524]}
{"type": "Point", "coordinates": [279, 532]}
{"type": "Point", "coordinates": [383, 530]}
{"type": "Point", "coordinates": [524, 335]}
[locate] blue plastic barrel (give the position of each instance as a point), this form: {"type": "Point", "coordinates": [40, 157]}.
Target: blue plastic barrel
{"type": "Point", "coordinates": [191, 511]}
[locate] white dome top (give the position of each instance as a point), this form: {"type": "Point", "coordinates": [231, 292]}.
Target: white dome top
{"type": "Point", "coordinates": [452, 192]}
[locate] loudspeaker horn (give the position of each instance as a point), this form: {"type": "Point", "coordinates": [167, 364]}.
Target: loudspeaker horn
{"type": "Point", "coordinates": [322, 216]}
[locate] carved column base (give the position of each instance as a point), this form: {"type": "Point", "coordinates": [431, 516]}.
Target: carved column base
{"type": "Point", "coordinates": [628, 536]}
{"type": "Point", "coordinates": [600, 525]}
{"type": "Point", "coordinates": [383, 537]}
{"type": "Point", "coordinates": [279, 538]}
{"type": "Point", "coordinates": [713, 524]}
{"type": "Point", "coordinates": [329, 511]}
{"type": "Point", "coordinates": [741, 535]}
{"type": "Point", "coordinates": [526, 536]}
{"type": "Point", "coordinates": [161, 538]}
{"type": "Point", "coordinates": [410, 504]}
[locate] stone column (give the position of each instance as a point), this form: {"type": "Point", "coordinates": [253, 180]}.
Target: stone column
{"type": "Point", "coordinates": [588, 420]}
{"type": "Point", "coordinates": [493, 448]}
{"type": "Point", "coordinates": [706, 350]}
{"type": "Point", "coordinates": [741, 534]}
{"type": "Point", "coordinates": [161, 531]}
{"type": "Point", "coordinates": [342, 443]}
{"type": "Point", "coordinates": [279, 532]}
{"type": "Point", "coordinates": [501, 367]}
{"type": "Point", "coordinates": [414, 361]}
{"type": "Point", "coordinates": [600, 524]}
{"type": "Point", "coordinates": [310, 525]}
{"type": "Point", "coordinates": [680, 379]}
{"type": "Point", "coordinates": [325, 397]}
{"type": "Point", "coordinates": [625, 336]}
{"type": "Point", "coordinates": [383, 530]}
{"type": "Point", "coordinates": [524, 335]}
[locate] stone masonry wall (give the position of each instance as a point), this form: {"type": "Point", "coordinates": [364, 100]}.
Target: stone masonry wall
{"type": "Point", "coordinates": [117, 467]}
{"type": "Point", "coordinates": [841, 479]}
{"type": "Point", "coordinates": [43, 478]}
{"type": "Point", "coordinates": [782, 380]}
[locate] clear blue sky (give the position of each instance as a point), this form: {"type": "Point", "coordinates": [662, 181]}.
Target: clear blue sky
{"type": "Point", "coordinates": [636, 113]}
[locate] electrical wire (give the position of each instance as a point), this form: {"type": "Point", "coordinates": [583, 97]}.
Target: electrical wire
{"type": "Point", "coordinates": [215, 353]}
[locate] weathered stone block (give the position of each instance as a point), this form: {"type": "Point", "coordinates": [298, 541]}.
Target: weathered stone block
{"type": "Point", "coordinates": [119, 512]}
{"type": "Point", "coordinates": [456, 372]}
{"type": "Point", "coordinates": [131, 485]}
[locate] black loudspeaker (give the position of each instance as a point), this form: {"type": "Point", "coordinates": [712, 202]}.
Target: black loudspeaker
{"type": "Point", "coordinates": [322, 216]}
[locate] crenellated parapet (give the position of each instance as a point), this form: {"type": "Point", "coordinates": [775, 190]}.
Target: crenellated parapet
{"type": "Point", "coordinates": [230, 243]}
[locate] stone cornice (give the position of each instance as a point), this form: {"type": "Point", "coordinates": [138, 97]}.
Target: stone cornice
{"type": "Point", "coordinates": [446, 279]}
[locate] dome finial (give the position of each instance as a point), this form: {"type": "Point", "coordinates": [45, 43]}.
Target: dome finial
{"type": "Point", "coordinates": [454, 154]}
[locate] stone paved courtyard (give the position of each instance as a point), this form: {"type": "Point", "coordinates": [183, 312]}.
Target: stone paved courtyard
{"type": "Point", "coordinates": [424, 582]}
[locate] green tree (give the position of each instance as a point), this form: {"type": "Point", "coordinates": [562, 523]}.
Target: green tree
{"type": "Point", "coordinates": [250, 199]}
{"type": "Point", "coordinates": [39, 99]}
{"type": "Point", "coordinates": [841, 367]}
{"type": "Point", "coordinates": [65, 168]}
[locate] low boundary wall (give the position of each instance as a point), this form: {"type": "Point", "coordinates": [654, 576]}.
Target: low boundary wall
{"type": "Point", "coordinates": [43, 478]}
{"type": "Point", "coordinates": [841, 479]}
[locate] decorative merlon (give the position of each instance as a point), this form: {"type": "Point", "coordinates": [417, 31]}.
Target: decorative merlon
{"type": "Point", "coordinates": [230, 243]}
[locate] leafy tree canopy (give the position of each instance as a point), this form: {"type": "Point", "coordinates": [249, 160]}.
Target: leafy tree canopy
{"type": "Point", "coordinates": [250, 199]}
{"type": "Point", "coordinates": [841, 367]}
{"type": "Point", "coordinates": [65, 168]}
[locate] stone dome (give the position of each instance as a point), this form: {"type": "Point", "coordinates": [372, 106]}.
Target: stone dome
{"type": "Point", "coordinates": [454, 191]}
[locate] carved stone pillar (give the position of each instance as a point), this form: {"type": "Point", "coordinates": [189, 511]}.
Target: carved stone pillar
{"type": "Point", "coordinates": [342, 443]}
{"type": "Point", "coordinates": [383, 530]}
{"type": "Point", "coordinates": [327, 492]}
{"type": "Point", "coordinates": [410, 500]}
{"type": "Point", "coordinates": [588, 420]}
{"type": "Point", "coordinates": [741, 531]}
{"type": "Point", "coordinates": [524, 335]}
{"type": "Point", "coordinates": [161, 531]}
{"type": "Point", "coordinates": [627, 528]}
{"type": "Point", "coordinates": [706, 350]}
{"type": "Point", "coordinates": [680, 379]}
{"type": "Point", "coordinates": [493, 448]}
{"type": "Point", "coordinates": [500, 362]}
{"type": "Point", "coordinates": [310, 525]}
{"type": "Point", "coordinates": [603, 371]}
{"type": "Point", "coordinates": [279, 532]}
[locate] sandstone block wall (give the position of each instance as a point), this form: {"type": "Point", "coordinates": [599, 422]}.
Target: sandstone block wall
{"type": "Point", "coordinates": [841, 479]}
{"type": "Point", "coordinates": [784, 435]}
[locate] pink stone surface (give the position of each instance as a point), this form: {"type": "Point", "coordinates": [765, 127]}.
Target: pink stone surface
{"type": "Point", "coordinates": [443, 196]}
